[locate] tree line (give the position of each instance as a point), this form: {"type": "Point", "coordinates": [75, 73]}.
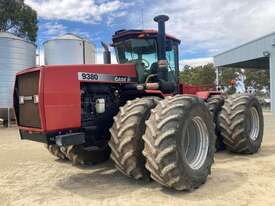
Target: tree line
{"type": "Point", "coordinates": [18, 18]}
{"type": "Point", "coordinates": [206, 75]}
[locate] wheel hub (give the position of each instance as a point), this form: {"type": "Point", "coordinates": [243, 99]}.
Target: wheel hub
{"type": "Point", "coordinates": [196, 141]}
{"type": "Point", "coordinates": [254, 124]}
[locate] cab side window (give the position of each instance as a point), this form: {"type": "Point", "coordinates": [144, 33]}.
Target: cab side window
{"type": "Point", "coordinates": [171, 55]}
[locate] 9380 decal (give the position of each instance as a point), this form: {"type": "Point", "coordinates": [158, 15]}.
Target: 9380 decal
{"type": "Point", "coordinates": [86, 76]}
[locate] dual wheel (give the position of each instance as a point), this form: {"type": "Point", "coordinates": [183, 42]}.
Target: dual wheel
{"type": "Point", "coordinates": [173, 140]}
{"type": "Point", "coordinates": [238, 122]}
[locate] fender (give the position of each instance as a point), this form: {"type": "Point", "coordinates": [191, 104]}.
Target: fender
{"type": "Point", "coordinates": [206, 94]}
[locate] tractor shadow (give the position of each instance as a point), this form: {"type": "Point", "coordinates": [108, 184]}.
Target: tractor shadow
{"type": "Point", "coordinates": [218, 184]}
{"type": "Point", "coordinates": [226, 156]}
{"type": "Point", "coordinates": [104, 181]}
{"type": "Point", "coordinates": [101, 181]}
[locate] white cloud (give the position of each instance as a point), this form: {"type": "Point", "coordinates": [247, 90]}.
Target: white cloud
{"type": "Point", "coordinates": [195, 62]}
{"type": "Point", "coordinates": [205, 27]}
{"type": "Point", "coordinates": [215, 25]}
{"type": "Point", "coordinates": [86, 11]}
{"type": "Point", "coordinates": [53, 29]}
{"type": "Point", "coordinates": [111, 18]}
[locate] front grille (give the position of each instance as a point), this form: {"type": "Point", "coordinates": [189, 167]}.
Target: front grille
{"type": "Point", "coordinates": [28, 112]}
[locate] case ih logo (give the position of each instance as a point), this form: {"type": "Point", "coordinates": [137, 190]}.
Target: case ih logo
{"type": "Point", "coordinates": [85, 76]}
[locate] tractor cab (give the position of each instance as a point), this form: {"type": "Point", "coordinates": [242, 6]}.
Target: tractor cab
{"type": "Point", "coordinates": [141, 48]}
{"type": "Point", "coordinates": [154, 53]}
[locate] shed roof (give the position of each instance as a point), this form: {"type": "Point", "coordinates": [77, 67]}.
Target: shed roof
{"type": "Point", "coordinates": [253, 54]}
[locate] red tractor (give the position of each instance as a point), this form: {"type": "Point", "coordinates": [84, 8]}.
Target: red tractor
{"type": "Point", "coordinates": [137, 111]}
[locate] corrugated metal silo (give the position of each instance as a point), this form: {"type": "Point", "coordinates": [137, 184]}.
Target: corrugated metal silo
{"type": "Point", "coordinates": [69, 49]}
{"type": "Point", "coordinates": [15, 54]}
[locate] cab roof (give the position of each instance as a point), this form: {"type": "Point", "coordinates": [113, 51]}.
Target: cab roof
{"type": "Point", "coordinates": [126, 34]}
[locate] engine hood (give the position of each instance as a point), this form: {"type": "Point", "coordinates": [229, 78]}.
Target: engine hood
{"type": "Point", "coordinates": [109, 73]}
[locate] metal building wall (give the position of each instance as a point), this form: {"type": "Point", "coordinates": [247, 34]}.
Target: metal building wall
{"type": "Point", "coordinates": [272, 79]}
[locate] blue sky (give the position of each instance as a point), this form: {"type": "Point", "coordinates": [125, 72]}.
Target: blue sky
{"type": "Point", "coordinates": [204, 27]}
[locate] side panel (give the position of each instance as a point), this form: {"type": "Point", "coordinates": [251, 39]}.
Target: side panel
{"type": "Point", "coordinates": [61, 93]}
{"type": "Point", "coordinates": [61, 99]}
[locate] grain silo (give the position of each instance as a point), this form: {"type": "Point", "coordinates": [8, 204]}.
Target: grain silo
{"type": "Point", "coordinates": [15, 54]}
{"type": "Point", "coordinates": [69, 49]}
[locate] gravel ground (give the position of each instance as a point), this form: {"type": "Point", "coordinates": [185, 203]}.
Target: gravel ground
{"type": "Point", "coordinates": [29, 175]}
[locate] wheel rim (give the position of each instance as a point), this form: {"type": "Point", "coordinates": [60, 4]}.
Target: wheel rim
{"type": "Point", "coordinates": [195, 143]}
{"type": "Point", "coordinates": [254, 124]}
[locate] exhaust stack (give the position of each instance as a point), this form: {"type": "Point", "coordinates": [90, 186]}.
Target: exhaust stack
{"type": "Point", "coordinates": [164, 85]}
{"type": "Point", "coordinates": [162, 62]}
{"type": "Point", "coordinates": [106, 54]}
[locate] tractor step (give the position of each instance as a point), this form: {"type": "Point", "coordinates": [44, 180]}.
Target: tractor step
{"type": "Point", "coordinates": [70, 139]}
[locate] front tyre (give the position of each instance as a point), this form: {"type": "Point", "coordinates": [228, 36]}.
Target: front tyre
{"type": "Point", "coordinates": [180, 142]}
{"type": "Point", "coordinates": [126, 137]}
{"type": "Point", "coordinates": [57, 151]}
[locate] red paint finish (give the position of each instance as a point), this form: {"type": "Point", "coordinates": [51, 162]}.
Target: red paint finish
{"type": "Point", "coordinates": [155, 93]}
{"type": "Point", "coordinates": [206, 94]}
{"type": "Point", "coordinates": [59, 92]}
{"type": "Point", "coordinates": [193, 89]}
{"type": "Point", "coordinates": [202, 92]}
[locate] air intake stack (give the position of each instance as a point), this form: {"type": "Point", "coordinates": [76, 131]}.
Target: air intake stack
{"type": "Point", "coordinates": [162, 62]}
{"type": "Point", "coordinates": [165, 85]}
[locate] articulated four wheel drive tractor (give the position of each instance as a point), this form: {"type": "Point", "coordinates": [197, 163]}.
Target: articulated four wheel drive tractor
{"type": "Point", "coordinates": [135, 112]}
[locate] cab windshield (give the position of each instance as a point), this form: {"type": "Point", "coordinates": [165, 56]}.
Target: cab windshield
{"type": "Point", "coordinates": [144, 53]}
{"type": "Point", "coordinates": [133, 50]}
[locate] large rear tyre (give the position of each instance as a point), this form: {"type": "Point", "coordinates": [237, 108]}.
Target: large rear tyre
{"type": "Point", "coordinates": [126, 137]}
{"type": "Point", "coordinates": [241, 123]}
{"type": "Point", "coordinates": [215, 104]}
{"type": "Point", "coordinates": [180, 142]}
